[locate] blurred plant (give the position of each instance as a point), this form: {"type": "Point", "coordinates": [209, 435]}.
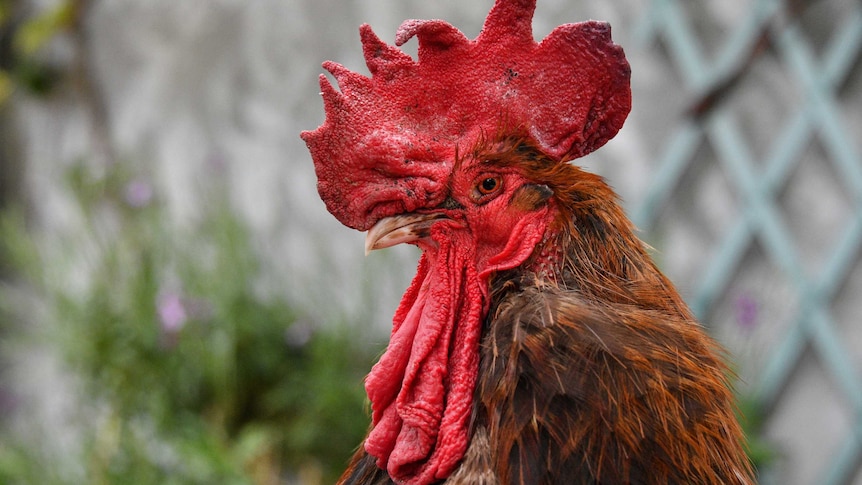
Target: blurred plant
{"type": "Point", "coordinates": [187, 374]}
{"type": "Point", "coordinates": [23, 36]}
{"type": "Point", "coordinates": [752, 412]}
{"type": "Point", "coordinates": [762, 453]}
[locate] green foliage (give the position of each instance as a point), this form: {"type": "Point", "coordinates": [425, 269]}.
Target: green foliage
{"type": "Point", "coordinates": [39, 29]}
{"type": "Point", "coordinates": [22, 65]}
{"type": "Point", "coordinates": [7, 86]}
{"type": "Point", "coordinates": [187, 373]}
{"type": "Point", "coordinates": [761, 452]}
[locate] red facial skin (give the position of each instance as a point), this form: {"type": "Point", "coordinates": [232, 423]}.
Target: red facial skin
{"type": "Point", "coordinates": [489, 215]}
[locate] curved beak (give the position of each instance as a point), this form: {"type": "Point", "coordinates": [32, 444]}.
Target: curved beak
{"type": "Point", "coordinates": [403, 228]}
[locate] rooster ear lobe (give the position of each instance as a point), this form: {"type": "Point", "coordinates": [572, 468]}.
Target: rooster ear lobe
{"type": "Point", "coordinates": [531, 197]}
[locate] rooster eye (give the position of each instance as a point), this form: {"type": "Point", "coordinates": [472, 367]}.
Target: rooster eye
{"type": "Point", "coordinates": [489, 185]}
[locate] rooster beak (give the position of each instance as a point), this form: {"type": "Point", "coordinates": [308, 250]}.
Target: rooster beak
{"type": "Point", "coordinates": [403, 228]}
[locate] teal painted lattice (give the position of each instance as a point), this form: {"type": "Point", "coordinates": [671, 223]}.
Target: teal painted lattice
{"type": "Point", "coordinates": [771, 28]}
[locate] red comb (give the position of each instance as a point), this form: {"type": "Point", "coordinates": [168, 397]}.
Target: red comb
{"type": "Point", "coordinates": [570, 93]}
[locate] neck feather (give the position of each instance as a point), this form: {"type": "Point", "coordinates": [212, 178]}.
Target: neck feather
{"type": "Point", "coordinates": [591, 247]}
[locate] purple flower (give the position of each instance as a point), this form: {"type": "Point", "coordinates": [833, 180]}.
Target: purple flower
{"type": "Point", "coordinates": [172, 312]}
{"type": "Point", "coordinates": [746, 311]}
{"type": "Point", "coordinates": [216, 163]}
{"type": "Point", "coordinates": [138, 193]}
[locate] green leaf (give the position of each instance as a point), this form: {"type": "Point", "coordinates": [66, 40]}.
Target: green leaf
{"type": "Point", "coordinates": [36, 32]}
{"type": "Point", "coordinates": [7, 86]}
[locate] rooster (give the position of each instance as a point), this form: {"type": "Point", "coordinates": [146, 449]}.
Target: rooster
{"type": "Point", "coordinates": [538, 343]}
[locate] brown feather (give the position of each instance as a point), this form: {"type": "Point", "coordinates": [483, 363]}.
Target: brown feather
{"type": "Point", "coordinates": [363, 470]}
{"type": "Point", "coordinates": [590, 393]}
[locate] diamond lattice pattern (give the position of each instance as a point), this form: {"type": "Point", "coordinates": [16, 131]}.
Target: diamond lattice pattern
{"type": "Point", "coordinates": [776, 110]}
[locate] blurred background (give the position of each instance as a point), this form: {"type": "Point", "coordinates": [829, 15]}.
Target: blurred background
{"type": "Point", "coordinates": [177, 306]}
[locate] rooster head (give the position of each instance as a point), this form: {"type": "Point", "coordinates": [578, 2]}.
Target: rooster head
{"type": "Point", "coordinates": [389, 141]}
{"type": "Point", "coordinates": [443, 152]}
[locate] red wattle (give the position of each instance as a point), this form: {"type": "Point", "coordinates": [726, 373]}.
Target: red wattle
{"type": "Point", "coordinates": [421, 390]}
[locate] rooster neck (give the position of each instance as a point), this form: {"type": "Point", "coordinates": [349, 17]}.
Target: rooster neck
{"type": "Point", "coordinates": [592, 248]}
